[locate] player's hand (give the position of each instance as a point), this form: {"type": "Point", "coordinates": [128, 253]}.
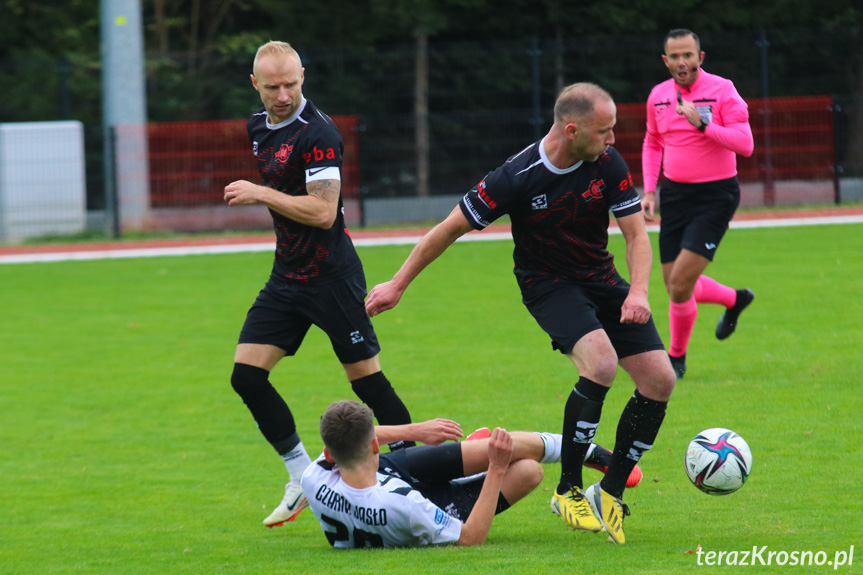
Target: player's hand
{"type": "Point", "coordinates": [636, 309]}
{"type": "Point", "coordinates": [689, 110]}
{"type": "Point", "coordinates": [241, 193]}
{"type": "Point", "coordinates": [436, 431]}
{"type": "Point", "coordinates": [648, 206]}
{"type": "Point", "coordinates": [383, 297]}
{"type": "Point", "coordinates": [499, 448]}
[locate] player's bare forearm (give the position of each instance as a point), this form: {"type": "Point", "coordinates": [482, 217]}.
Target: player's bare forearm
{"type": "Point", "coordinates": [651, 164]}
{"type": "Point", "coordinates": [387, 295]}
{"type": "Point", "coordinates": [431, 432]}
{"type": "Point", "coordinates": [639, 262]}
{"type": "Point", "coordinates": [317, 209]}
{"type": "Point", "coordinates": [475, 530]}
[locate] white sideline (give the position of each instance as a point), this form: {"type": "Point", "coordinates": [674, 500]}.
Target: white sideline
{"type": "Point", "coordinates": [384, 241]}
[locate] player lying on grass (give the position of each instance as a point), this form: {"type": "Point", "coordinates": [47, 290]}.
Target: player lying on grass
{"type": "Point", "coordinates": [431, 494]}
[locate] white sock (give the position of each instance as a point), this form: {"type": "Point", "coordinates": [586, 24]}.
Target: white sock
{"type": "Point", "coordinates": [296, 461]}
{"type": "Point", "coordinates": [552, 443]}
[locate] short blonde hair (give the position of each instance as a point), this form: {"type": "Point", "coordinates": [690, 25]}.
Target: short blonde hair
{"type": "Point", "coordinates": [275, 48]}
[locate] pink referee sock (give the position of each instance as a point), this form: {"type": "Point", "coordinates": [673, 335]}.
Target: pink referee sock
{"type": "Point", "coordinates": [708, 290]}
{"type": "Point", "coordinates": [681, 319]}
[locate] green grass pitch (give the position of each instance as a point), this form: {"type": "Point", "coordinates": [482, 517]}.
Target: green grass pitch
{"type": "Point", "coordinates": [125, 450]}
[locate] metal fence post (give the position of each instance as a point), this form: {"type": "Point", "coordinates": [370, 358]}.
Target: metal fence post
{"type": "Point", "coordinates": [112, 203]}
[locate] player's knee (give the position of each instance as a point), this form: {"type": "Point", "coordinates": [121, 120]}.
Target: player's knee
{"type": "Point", "coordinates": [666, 386]}
{"type": "Point", "coordinates": [659, 387]}
{"type": "Point", "coordinates": [373, 388]}
{"type": "Point", "coordinates": [535, 474]}
{"type": "Point", "coordinates": [530, 473]}
{"type": "Point", "coordinates": [248, 380]}
{"type": "Point", "coordinates": [524, 476]}
{"type": "Point", "coordinates": [604, 369]}
{"type": "Point", "coordinates": [680, 290]}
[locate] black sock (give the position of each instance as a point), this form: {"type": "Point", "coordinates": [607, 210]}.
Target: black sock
{"type": "Point", "coordinates": [270, 411]}
{"type": "Point", "coordinates": [580, 420]}
{"type": "Point", "coordinates": [375, 391]}
{"type": "Point", "coordinates": [636, 431]}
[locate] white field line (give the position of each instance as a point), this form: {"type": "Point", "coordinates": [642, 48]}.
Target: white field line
{"type": "Point", "coordinates": [121, 253]}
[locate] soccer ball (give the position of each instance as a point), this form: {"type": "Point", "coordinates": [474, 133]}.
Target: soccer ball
{"type": "Point", "coordinates": [718, 461]}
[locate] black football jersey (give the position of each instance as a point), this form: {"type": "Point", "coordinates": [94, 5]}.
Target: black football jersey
{"type": "Point", "coordinates": [283, 153]}
{"type": "Point", "coordinates": [559, 217]}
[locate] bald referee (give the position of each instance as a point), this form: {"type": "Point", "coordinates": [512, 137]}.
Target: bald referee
{"type": "Point", "coordinates": [697, 124]}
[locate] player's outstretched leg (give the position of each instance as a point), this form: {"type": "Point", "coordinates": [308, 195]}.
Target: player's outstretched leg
{"type": "Point", "coordinates": [728, 322]}
{"type": "Point", "coordinates": [276, 422]}
{"type": "Point", "coordinates": [293, 502]}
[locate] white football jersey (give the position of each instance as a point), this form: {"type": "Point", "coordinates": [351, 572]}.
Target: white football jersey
{"type": "Point", "coordinates": [389, 514]}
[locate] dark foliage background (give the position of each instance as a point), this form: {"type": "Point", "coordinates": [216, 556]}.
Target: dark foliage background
{"type": "Point", "coordinates": [493, 67]}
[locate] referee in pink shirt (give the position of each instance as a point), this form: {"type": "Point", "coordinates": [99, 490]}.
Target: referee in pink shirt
{"type": "Point", "coordinates": [697, 123]}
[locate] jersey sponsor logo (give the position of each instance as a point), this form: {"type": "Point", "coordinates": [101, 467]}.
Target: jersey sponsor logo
{"type": "Point", "coordinates": [627, 183]}
{"type": "Point", "coordinates": [594, 190]}
{"type": "Point", "coordinates": [539, 202]}
{"type": "Point", "coordinates": [483, 195]}
{"type": "Point", "coordinates": [317, 155]}
{"type": "Point", "coordinates": [284, 153]}
{"type": "Point", "coordinates": [441, 518]}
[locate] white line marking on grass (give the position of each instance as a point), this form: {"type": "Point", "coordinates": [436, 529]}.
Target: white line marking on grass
{"type": "Point", "coordinates": [85, 254]}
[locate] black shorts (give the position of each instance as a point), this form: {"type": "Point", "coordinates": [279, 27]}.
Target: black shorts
{"type": "Point", "coordinates": [695, 216]}
{"type": "Point", "coordinates": [284, 311]}
{"type": "Point", "coordinates": [436, 472]}
{"type": "Point", "coordinates": [569, 310]}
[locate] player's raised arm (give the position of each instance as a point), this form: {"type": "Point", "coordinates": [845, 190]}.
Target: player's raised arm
{"type": "Point", "coordinates": [476, 527]}
{"type": "Point", "coordinates": [431, 432]}
{"type": "Point", "coordinates": [387, 295]}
